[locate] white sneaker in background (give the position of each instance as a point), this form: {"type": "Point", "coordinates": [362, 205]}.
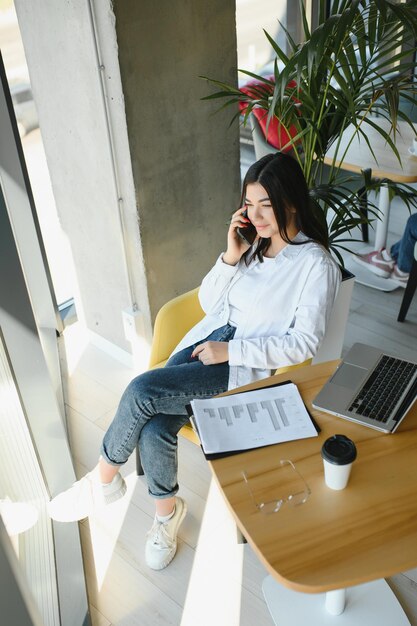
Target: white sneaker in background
{"type": "Point", "coordinates": [85, 495]}
{"type": "Point", "coordinates": [161, 544]}
{"type": "Point", "coordinates": [378, 262]}
{"type": "Point", "coordinates": [401, 278]}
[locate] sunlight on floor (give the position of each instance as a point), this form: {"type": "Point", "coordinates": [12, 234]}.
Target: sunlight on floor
{"type": "Point", "coordinates": [218, 559]}
{"type": "Point", "coordinates": [76, 342]}
{"type": "Point", "coordinates": [105, 529]}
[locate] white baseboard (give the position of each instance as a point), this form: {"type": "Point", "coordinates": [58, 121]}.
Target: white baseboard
{"type": "Point", "coordinates": [111, 349]}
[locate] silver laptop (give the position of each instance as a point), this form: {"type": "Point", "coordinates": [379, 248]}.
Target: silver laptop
{"type": "Point", "coordinates": [371, 388]}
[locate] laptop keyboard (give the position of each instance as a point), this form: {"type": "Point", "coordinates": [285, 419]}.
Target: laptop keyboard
{"type": "Point", "coordinates": [383, 389]}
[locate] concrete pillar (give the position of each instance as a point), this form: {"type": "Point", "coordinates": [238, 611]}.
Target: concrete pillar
{"type": "Point", "coordinates": [185, 159]}
{"type": "Point", "coordinates": [144, 177]}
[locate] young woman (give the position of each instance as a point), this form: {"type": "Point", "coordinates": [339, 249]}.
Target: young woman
{"type": "Point", "coordinates": [266, 306]}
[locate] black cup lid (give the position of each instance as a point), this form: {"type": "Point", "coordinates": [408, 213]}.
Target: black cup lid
{"type": "Point", "coordinates": [339, 450]}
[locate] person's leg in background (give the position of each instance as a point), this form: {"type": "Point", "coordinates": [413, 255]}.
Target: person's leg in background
{"type": "Point", "coordinates": [403, 251]}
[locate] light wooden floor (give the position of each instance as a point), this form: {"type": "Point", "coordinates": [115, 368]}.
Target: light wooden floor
{"type": "Point", "coordinates": [213, 580]}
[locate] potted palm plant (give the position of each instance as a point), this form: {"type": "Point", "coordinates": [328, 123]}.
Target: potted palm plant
{"type": "Point", "coordinates": [357, 62]}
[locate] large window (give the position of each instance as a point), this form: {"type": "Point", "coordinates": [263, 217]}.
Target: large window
{"type": "Point", "coordinates": [34, 454]}
{"type": "Point", "coordinates": [56, 244]}
{"type": "Point", "coordinates": [252, 18]}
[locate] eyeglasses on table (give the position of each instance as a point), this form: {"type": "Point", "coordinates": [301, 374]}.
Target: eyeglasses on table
{"type": "Point", "coordinates": [294, 492]}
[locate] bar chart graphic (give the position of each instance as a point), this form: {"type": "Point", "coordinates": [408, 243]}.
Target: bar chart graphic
{"type": "Point", "coordinates": [275, 410]}
{"type": "Point", "coordinates": [252, 419]}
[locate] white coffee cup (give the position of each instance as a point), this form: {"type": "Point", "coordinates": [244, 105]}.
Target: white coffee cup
{"type": "Point", "coordinates": [414, 146]}
{"type": "Point", "coordinates": [338, 453]}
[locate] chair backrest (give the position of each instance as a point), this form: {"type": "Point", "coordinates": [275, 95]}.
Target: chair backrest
{"type": "Point", "coordinates": [173, 321]}
{"type": "Point", "coordinates": [332, 344]}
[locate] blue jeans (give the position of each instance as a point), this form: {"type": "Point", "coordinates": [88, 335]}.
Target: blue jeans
{"type": "Point", "coordinates": [152, 411]}
{"type": "Point", "coordinates": [403, 250]}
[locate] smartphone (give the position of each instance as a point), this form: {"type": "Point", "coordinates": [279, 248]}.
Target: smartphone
{"type": "Point", "coordinates": [248, 233]}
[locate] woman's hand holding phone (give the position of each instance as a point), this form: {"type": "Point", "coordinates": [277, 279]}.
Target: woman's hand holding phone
{"type": "Point", "coordinates": [236, 245]}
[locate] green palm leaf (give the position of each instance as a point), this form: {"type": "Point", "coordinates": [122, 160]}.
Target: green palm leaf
{"type": "Point", "coordinates": [349, 68]}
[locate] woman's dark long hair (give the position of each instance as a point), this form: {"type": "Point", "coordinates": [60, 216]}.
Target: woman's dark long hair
{"type": "Point", "coordinates": [282, 178]}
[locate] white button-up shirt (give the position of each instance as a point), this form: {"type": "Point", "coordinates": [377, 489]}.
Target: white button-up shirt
{"type": "Point", "coordinates": [286, 314]}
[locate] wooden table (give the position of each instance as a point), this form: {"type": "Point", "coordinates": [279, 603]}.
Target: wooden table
{"type": "Point", "coordinates": [337, 539]}
{"type": "Point", "coordinates": [358, 157]}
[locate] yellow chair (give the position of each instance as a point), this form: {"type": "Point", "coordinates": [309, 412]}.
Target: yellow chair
{"type": "Point", "coordinates": [173, 321]}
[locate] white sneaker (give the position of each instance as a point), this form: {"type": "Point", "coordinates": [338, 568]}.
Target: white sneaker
{"type": "Point", "coordinates": [401, 278]}
{"type": "Point", "coordinates": [378, 262]}
{"type": "Point", "coordinates": [161, 544]}
{"type": "Point", "coordinates": [84, 496]}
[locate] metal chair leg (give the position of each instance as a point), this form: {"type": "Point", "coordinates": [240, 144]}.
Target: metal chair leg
{"type": "Point", "coordinates": [408, 293]}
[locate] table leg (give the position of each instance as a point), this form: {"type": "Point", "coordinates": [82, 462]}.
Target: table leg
{"type": "Point", "coordinates": [383, 216]}
{"type": "Point", "coordinates": [335, 601]}
{"type": "Point", "coordinates": [371, 604]}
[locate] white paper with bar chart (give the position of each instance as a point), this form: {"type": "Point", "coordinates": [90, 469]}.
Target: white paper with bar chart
{"type": "Point", "coordinates": [252, 419]}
